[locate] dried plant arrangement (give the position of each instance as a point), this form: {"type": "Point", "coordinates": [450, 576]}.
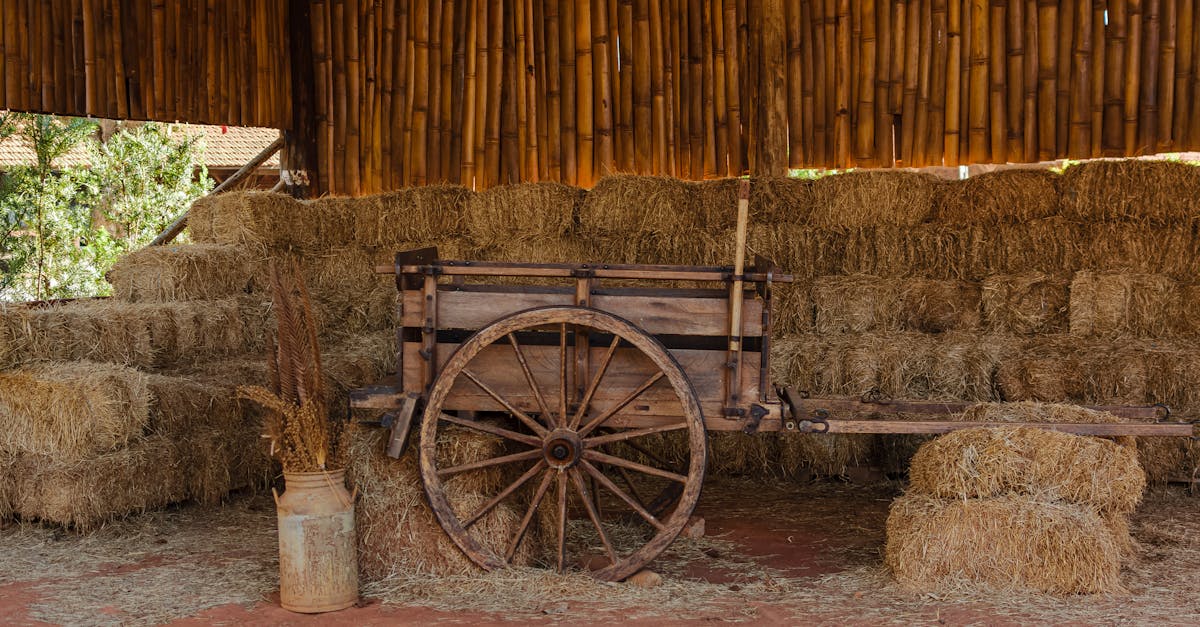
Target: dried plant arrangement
{"type": "Point", "coordinates": [297, 421]}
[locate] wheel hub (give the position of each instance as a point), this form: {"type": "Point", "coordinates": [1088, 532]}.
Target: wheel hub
{"type": "Point", "coordinates": [562, 448]}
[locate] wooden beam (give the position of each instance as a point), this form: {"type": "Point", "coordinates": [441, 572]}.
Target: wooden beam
{"type": "Point", "coordinates": [298, 165]}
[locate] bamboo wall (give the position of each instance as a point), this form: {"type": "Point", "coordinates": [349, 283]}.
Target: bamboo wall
{"type": "Point", "coordinates": [494, 91]}
{"type": "Point", "coordinates": [218, 62]}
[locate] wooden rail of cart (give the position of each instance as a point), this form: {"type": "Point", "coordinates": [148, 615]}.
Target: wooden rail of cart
{"type": "Point", "coordinates": [576, 367]}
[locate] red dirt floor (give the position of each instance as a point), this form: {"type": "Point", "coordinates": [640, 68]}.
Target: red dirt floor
{"type": "Point", "coordinates": [806, 534]}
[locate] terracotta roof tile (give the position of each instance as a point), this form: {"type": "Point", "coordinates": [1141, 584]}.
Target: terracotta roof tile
{"type": "Point", "coordinates": [224, 147]}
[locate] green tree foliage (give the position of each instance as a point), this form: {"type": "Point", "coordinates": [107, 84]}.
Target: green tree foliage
{"type": "Point", "coordinates": [63, 227]}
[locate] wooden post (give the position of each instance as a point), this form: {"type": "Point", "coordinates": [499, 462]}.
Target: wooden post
{"type": "Point", "coordinates": [298, 165]}
{"type": "Point", "coordinates": [772, 128]}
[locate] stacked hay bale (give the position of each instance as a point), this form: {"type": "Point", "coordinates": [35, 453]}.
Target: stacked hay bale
{"type": "Point", "coordinates": [1015, 507]}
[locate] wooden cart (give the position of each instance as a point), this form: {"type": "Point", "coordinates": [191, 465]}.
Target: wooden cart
{"type": "Point", "coordinates": [575, 367]}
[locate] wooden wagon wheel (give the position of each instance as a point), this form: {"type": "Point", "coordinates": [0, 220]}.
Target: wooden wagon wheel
{"type": "Point", "coordinates": [557, 444]}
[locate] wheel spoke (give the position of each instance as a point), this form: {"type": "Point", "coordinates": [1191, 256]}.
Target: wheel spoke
{"type": "Point", "coordinates": [522, 416]}
{"type": "Point", "coordinates": [597, 456]}
{"type": "Point", "coordinates": [612, 487]}
{"type": "Point", "coordinates": [611, 411]}
{"type": "Point", "coordinates": [487, 463]}
{"type": "Point", "coordinates": [487, 507]}
{"type": "Point", "coordinates": [492, 429]}
{"type": "Point", "coordinates": [592, 513]}
{"type": "Point", "coordinates": [547, 416]}
{"type": "Point", "coordinates": [637, 495]}
{"type": "Point", "coordinates": [562, 520]}
{"type": "Point", "coordinates": [587, 397]}
{"type": "Point", "coordinates": [562, 376]}
{"type": "Point", "coordinates": [629, 435]}
{"type": "Point", "coordinates": [542, 488]}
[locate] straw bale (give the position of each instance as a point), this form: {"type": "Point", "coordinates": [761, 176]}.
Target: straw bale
{"type": "Point", "coordinates": [14, 340]}
{"type": "Point", "coordinates": [856, 304]}
{"type": "Point", "coordinates": [824, 455]}
{"type": "Point", "coordinates": [397, 533]}
{"type": "Point", "coordinates": [1059, 368]}
{"type": "Point", "coordinates": [1130, 305]}
{"type": "Point", "coordinates": [528, 212]}
{"type": "Point", "coordinates": [1158, 192]}
{"type": "Point", "coordinates": [71, 410]}
{"type": "Point", "coordinates": [1047, 465]}
{"type": "Point", "coordinates": [8, 486]}
{"type": "Point", "coordinates": [1004, 196]}
{"type": "Point", "coordinates": [1026, 303]}
{"type": "Point", "coordinates": [157, 274]}
{"type": "Point", "coordinates": [801, 250]}
{"type": "Point", "coordinates": [179, 404]}
{"type": "Point", "coordinates": [1169, 459]}
{"type": "Point", "coordinates": [256, 220]}
{"type": "Point", "coordinates": [736, 453]}
{"type": "Point", "coordinates": [873, 198]}
{"type": "Point", "coordinates": [414, 214]}
{"type": "Point", "coordinates": [628, 205]}
{"type": "Point", "coordinates": [792, 308]}
{"type": "Point", "coordinates": [348, 297]}
{"type": "Point", "coordinates": [1137, 247]}
{"type": "Point", "coordinates": [1004, 543]}
{"type": "Point", "coordinates": [777, 200]}
{"type": "Point", "coordinates": [85, 493]}
{"type": "Point", "coordinates": [569, 250]}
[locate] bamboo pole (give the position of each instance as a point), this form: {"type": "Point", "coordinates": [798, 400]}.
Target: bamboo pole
{"type": "Point", "coordinates": [1148, 92]}
{"type": "Point", "coordinates": [584, 110]}
{"type": "Point", "coordinates": [1029, 114]}
{"type": "Point", "coordinates": [495, 93]}
{"type": "Point", "coordinates": [542, 86]}
{"type": "Point", "coordinates": [978, 90]}
{"type": "Point", "coordinates": [1099, 57]}
{"type": "Point", "coordinates": [613, 19]}
{"type": "Point", "coordinates": [1066, 37]}
{"type": "Point", "coordinates": [935, 144]}
{"type": "Point", "coordinates": [820, 124]}
{"type": "Point", "coordinates": [521, 75]}
{"type": "Point", "coordinates": [387, 91]}
{"type": "Point", "coordinates": [998, 111]}
{"type": "Point", "coordinates": [530, 69]}
{"type": "Point", "coordinates": [462, 52]}
{"type": "Point", "coordinates": [807, 85]}
{"type": "Point", "coordinates": [92, 98]}
{"type": "Point", "coordinates": [470, 82]}
{"type": "Point", "coordinates": [682, 90]}
{"type": "Point", "coordinates": [658, 102]}
{"type": "Point", "coordinates": [1113, 120]}
{"type": "Point", "coordinates": [1166, 76]}
{"type": "Point", "coordinates": [864, 109]}
{"type": "Point", "coordinates": [448, 171]}
{"type": "Point", "coordinates": [925, 131]}
{"type": "Point", "coordinates": [570, 147]}
{"type": "Point", "coordinates": [795, 80]}
{"type": "Point", "coordinates": [707, 92]}
{"type": "Point", "coordinates": [733, 90]}
{"type": "Point", "coordinates": [670, 85]}
{"type": "Point", "coordinates": [953, 85]}
{"type": "Point", "coordinates": [1015, 39]}
{"type": "Point", "coordinates": [964, 119]}
{"type": "Point", "coordinates": [884, 148]}
{"type": "Point", "coordinates": [482, 33]}
{"type": "Point", "coordinates": [908, 99]}
{"type": "Point", "coordinates": [433, 137]}
{"type": "Point", "coordinates": [403, 80]}
{"type": "Point", "coordinates": [1047, 104]}
{"type": "Point", "coordinates": [1183, 71]}
{"type": "Point", "coordinates": [1191, 138]}
{"type": "Point", "coordinates": [625, 111]}
{"type": "Point", "coordinates": [1079, 142]}
{"type": "Point", "coordinates": [553, 91]}
{"type": "Point", "coordinates": [716, 32]}
{"type": "Point", "coordinates": [898, 58]}
{"type": "Point", "coordinates": [841, 123]}
{"type": "Point", "coordinates": [1132, 61]}
{"type": "Point", "coordinates": [642, 106]}
{"type": "Point", "coordinates": [507, 98]}
{"type": "Point", "coordinates": [602, 90]}
{"type": "Point", "coordinates": [338, 39]}
{"type": "Point", "coordinates": [353, 120]}
{"type": "Point", "coordinates": [696, 80]}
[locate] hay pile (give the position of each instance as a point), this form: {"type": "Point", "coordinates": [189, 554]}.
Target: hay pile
{"type": "Point", "coordinates": [649, 219]}
{"type": "Point", "coordinates": [1015, 508]}
{"type": "Point", "coordinates": [160, 274]}
{"type": "Point", "coordinates": [873, 198]}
